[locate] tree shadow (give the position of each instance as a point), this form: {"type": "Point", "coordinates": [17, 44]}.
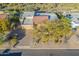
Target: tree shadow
{"type": "Point", "coordinates": [77, 35]}
{"type": "Point", "coordinates": [18, 32]}
{"type": "Point", "coordinates": [66, 39]}
{"type": "Point", "coordinates": [8, 52]}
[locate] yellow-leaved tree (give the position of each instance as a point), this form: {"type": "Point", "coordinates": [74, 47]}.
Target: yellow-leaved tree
{"type": "Point", "coordinates": [4, 25]}
{"type": "Point", "coordinates": [52, 30]}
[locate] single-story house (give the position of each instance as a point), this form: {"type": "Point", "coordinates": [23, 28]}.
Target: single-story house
{"type": "Point", "coordinates": [3, 15]}
{"type": "Point", "coordinates": [51, 15]}
{"type": "Point", "coordinates": [74, 17]}
{"type": "Point", "coordinates": [26, 20]}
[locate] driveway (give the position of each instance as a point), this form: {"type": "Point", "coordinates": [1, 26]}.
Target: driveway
{"type": "Point", "coordinates": [26, 41]}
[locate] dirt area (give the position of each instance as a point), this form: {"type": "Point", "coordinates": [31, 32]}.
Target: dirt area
{"type": "Point", "coordinates": [73, 42]}
{"type": "Point", "coordinates": [27, 42]}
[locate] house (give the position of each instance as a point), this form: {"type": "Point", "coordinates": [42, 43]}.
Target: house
{"type": "Point", "coordinates": [75, 20]}
{"type": "Point", "coordinates": [74, 17]}
{"type": "Point", "coordinates": [51, 15]}
{"type": "Point", "coordinates": [3, 15]}
{"type": "Point", "coordinates": [26, 20]}
{"type": "Point", "coordinates": [42, 16]}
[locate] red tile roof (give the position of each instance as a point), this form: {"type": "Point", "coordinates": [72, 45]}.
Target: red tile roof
{"type": "Point", "coordinates": [3, 16]}
{"type": "Point", "coordinates": [39, 19]}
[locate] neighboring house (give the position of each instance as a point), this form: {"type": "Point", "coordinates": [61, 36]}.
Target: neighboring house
{"type": "Point", "coordinates": [39, 19]}
{"type": "Point", "coordinates": [75, 20]}
{"type": "Point", "coordinates": [3, 15]}
{"type": "Point", "coordinates": [74, 17]}
{"type": "Point", "coordinates": [27, 20]}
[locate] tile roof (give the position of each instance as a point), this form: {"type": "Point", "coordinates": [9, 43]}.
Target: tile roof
{"type": "Point", "coordinates": [39, 19]}
{"type": "Point", "coordinates": [3, 16]}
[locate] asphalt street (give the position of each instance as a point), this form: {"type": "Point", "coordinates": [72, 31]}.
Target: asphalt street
{"type": "Point", "coordinates": [46, 52]}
